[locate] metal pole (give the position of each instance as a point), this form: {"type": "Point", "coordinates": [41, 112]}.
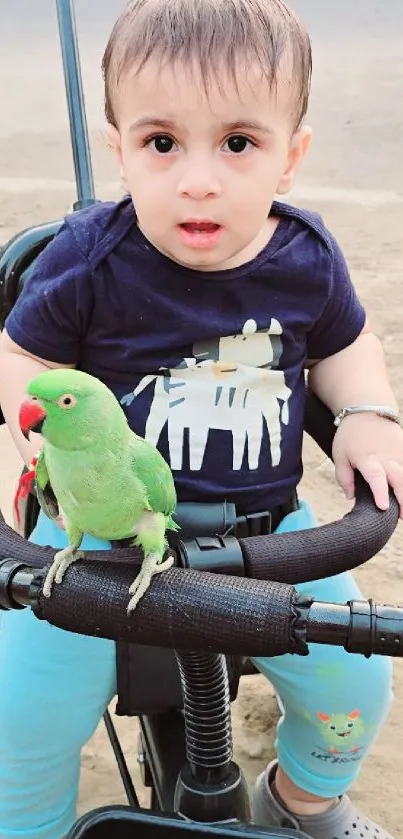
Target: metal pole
{"type": "Point", "coordinates": [75, 104]}
{"type": "Point", "coordinates": [121, 762]}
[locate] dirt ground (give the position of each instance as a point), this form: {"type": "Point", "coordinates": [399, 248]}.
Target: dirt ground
{"type": "Point", "coordinates": [355, 179]}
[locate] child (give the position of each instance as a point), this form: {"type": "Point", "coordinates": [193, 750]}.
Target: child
{"type": "Point", "coordinates": [200, 309]}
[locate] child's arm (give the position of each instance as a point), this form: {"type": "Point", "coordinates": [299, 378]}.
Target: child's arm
{"type": "Point", "coordinates": [374, 445]}
{"type": "Point", "coordinates": [17, 368]}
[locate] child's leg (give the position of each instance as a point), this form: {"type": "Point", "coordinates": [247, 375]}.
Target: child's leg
{"type": "Point", "coordinates": [334, 703]}
{"type": "Point", "coordinates": [54, 688]}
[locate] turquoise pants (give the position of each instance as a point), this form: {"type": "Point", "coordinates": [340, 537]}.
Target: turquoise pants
{"type": "Point", "coordinates": [55, 686]}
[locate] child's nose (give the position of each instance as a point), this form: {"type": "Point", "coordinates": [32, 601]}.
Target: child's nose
{"type": "Point", "coordinates": [198, 180]}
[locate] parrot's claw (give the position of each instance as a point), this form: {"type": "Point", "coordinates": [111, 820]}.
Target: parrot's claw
{"type": "Point", "coordinates": [62, 560]}
{"type": "Point", "coordinates": [151, 566]}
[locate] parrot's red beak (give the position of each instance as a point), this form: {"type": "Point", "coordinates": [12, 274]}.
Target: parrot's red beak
{"type": "Point", "coordinates": [31, 417]}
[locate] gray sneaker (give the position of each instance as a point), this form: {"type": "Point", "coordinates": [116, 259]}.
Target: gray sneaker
{"type": "Point", "coordinates": [340, 822]}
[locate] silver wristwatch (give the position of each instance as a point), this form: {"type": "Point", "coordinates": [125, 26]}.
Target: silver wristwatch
{"type": "Point", "coordinates": [382, 411]}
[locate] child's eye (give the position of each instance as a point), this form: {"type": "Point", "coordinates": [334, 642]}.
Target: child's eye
{"type": "Point", "coordinates": [237, 143]}
{"type": "Point", "coordinates": [162, 143]}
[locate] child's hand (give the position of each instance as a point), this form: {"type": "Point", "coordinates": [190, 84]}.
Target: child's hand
{"type": "Point", "coordinates": [374, 446]}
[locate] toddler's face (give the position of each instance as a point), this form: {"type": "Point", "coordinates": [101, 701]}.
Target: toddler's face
{"type": "Point", "coordinates": [203, 169]}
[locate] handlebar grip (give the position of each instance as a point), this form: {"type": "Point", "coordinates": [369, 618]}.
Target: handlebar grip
{"type": "Point", "coordinates": [293, 622]}
{"type": "Point", "coordinates": [199, 610]}
{"type": "Point", "coordinates": [323, 551]}
{"type": "Point", "coordinates": [182, 610]}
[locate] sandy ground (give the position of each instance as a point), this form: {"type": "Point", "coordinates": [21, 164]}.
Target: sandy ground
{"type": "Point", "coordinates": [354, 178]}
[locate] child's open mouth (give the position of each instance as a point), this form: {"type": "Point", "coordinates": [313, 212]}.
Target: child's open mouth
{"type": "Point", "coordinates": [200, 234]}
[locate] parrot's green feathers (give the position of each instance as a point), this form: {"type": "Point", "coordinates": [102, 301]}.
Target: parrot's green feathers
{"type": "Point", "coordinates": [46, 497]}
{"type": "Point", "coordinates": [155, 474]}
{"type": "Point", "coordinates": [41, 473]}
{"type": "Point", "coordinates": [172, 524]}
{"type": "Point", "coordinates": [105, 477]}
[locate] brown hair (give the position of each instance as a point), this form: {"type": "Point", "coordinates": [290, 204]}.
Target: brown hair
{"type": "Point", "coordinates": [209, 34]}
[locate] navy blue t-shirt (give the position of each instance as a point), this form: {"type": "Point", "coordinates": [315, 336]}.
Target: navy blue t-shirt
{"type": "Point", "coordinates": [207, 366]}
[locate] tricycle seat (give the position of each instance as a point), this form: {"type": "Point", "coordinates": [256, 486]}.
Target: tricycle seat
{"type": "Point", "coordinates": [17, 259]}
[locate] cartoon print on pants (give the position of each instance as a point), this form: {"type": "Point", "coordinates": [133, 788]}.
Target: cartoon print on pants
{"type": "Point", "coordinates": [341, 733]}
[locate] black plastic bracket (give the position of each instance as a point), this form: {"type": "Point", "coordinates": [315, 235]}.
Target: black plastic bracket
{"type": "Point", "coordinates": [202, 518]}
{"type": "Point", "coordinates": [220, 554]}
{"type": "Point", "coordinates": [204, 541]}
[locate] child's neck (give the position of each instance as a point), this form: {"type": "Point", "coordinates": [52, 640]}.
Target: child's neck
{"type": "Point", "coordinates": [256, 246]}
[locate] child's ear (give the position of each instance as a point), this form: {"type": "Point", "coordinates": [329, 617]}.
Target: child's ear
{"type": "Point", "coordinates": [299, 146]}
{"type": "Point", "coordinates": [114, 143]}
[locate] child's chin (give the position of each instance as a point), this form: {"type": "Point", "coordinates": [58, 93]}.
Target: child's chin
{"type": "Point", "coordinates": [201, 260]}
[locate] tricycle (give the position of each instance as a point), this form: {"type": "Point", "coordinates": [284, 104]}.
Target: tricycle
{"type": "Point", "coordinates": [229, 598]}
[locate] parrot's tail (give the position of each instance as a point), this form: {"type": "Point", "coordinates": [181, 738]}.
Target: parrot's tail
{"type": "Point", "coordinates": [171, 524]}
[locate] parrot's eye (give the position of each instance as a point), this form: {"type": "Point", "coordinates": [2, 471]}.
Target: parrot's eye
{"type": "Point", "coordinates": [67, 401]}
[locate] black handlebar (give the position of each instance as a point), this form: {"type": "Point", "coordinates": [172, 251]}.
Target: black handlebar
{"type": "Point", "coordinates": [187, 609]}
{"type": "Point", "coordinates": [190, 610]}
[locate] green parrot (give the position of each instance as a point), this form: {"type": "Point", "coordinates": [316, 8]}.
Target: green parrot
{"type": "Point", "coordinates": [104, 478]}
